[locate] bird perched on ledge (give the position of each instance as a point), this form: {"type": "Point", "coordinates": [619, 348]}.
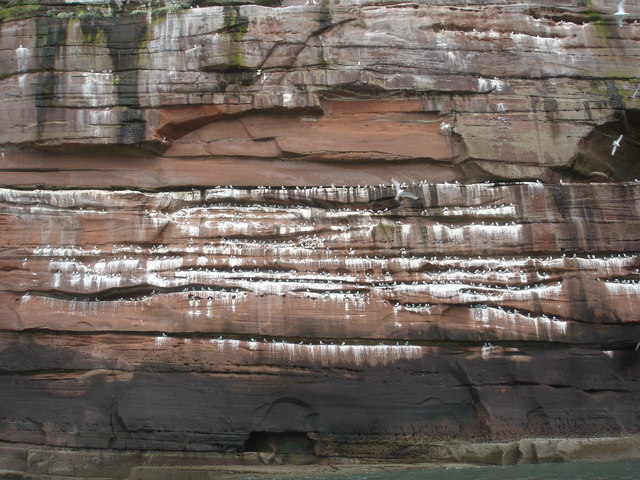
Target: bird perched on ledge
{"type": "Point", "coordinates": [446, 129]}
{"type": "Point", "coordinates": [400, 192]}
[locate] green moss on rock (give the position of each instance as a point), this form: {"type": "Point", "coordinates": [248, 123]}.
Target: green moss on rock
{"type": "Point", "coordinates": [19, 10]}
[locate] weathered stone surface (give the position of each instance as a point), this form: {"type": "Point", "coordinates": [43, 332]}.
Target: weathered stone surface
{"type": "Point", "coordinates": [143, 307]}
{"type": "Point", "coordinates": [138, 465]}
{"type": "Point", "coordinates": [532, 91]}
{"type": "Point", "coordinates": [315, 310]}
{"type": "Point", "coordinates": [336, 262]}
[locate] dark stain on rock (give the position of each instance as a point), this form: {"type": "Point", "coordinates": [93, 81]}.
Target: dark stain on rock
{"type": "Point", "coordinates": [550, 107]}
{"type": "Point", "coordinates": [124, 36]}
{"type": "Point", "coordinates": [433, 195]}
{"type": "Point", "coordinates": [50, 34]}
{"type": "Point", "coordinates": [324, 19]}
{"type": "Point", "coordinates": [587, 110]}
{"type": "Point", "coordinates": [563, 200]}
{"type": "Point", "coordinates": [235, 24]}
{"type": "Point", "coordinates": [232, 68]}
{"type": "Point", "coordinates": [614, 98]}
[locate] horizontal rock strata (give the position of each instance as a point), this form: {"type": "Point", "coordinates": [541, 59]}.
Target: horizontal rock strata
{"type": "Point", "coordinates": [32, 461]}
{"type": "Point", "coordinates": [482, 312]}
{"type": "Point", "coordinates": [528, 91]}
{"type": "Point", "coordinates": [302, 309]}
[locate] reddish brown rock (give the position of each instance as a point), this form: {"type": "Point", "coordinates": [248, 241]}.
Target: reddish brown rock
{"type": "Point", "coordinates": [531, 91]}
{"type": "Point", "coordinates": [144, 307]}
{"type": "Point", "coordinates": [315, 310]}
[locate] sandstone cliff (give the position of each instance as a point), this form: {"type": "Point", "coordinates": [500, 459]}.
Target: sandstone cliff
{"type": "Point", "coordinates": [531, 91]}
{"type": "Point", "coordinates": [145, 306]}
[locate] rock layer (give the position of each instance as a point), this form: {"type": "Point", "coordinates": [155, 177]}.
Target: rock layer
{"type": "Point", "coordinates": [530, 91]}
{"type": "Point", "coordinates": [317, 310]}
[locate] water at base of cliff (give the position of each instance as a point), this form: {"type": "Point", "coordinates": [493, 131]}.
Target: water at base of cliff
{"type": "Point", "coordinates": [614, 470]}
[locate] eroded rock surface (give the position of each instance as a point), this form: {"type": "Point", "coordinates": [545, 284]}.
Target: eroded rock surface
{"type": "Point", "coordinates": [485, 312]}
{"type": "Point", "coordinates": [528, 91]}
{"type": "Point", "coordinates": [145, 306]}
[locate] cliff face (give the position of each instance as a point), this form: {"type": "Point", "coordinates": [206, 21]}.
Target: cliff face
{"type": "Point", "coordinates": [531, 91]}
{"type": "Point", "coordinates": [141, 306]}
{"type": "Point", "coordinates": [190, 319]}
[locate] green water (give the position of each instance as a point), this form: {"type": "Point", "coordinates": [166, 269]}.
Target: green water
{"type": "Point", "coordinates": [615, 470]}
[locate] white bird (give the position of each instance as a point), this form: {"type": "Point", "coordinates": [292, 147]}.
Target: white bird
{"type": "Point", "coordinates": [400, 192]}
{"type": "Point", "coordinates": [615, 145]}
{"type": "Point", "coordinates": [620, 14]}
{"type": "Point", "coordinates": [446, 129]}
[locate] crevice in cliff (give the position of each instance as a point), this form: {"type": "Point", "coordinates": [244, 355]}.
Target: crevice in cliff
{"type": "Point", "coordinates": [257, 341]}
{"type": "Point", "coordinates": [561, 15]}
{"type": "Point", "coordinates": [53, 373]}
{"type": "Point", "coordinates": [597, 157]}
{"type": "Point", "coordinates": [135, 293]}
{"type": "Point", "coordinates": [326, 24]}
{"type": "Point", "coordinates": [288, 442]}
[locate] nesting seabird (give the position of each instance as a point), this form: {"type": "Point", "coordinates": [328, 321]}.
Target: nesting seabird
{"type": "Point", "coordinates": [615, 145]}
{"type": "Point", "coordinates": [620, 14]}
{"type": "Point", "coordinates": [400, 192]}
{"type": "Point", "coordinates": [446, 129]}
